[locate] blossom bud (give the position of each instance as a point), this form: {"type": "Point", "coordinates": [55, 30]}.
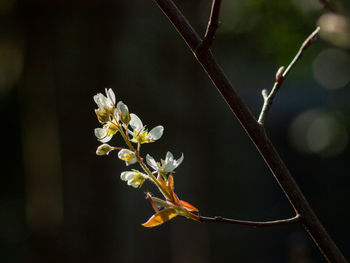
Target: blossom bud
{"type": "Point", "coordinates": [133, 178]}
{"type": "Point", "coordinates": [104, 149]}
{"type": "Point", "coordinates": [128, 156]}
{"type": "Point", "coordinates": [105, 105]}
{"type": "Point", "coordinates": [124, 112]}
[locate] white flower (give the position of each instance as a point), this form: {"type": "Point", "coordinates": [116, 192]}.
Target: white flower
{"type": "Point", "coordinates": [105, 105]}
{"type": "Point", "coordinates": [128, 156]}
{"type": "Point", "coordinates": [140, 135]}
{"type": "Point", "coordinates": [166, 166]}
{"type": "Point", "coordinates": [133, 178]}
{"type": "Point", "coordinates": [106, 133]}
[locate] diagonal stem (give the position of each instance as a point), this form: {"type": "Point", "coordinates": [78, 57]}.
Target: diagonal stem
{"type": "Point", "coordinates": [256, 133]}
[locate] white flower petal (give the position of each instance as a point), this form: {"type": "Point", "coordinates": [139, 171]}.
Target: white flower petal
{"type": "Point", "coordinates": [106, 139]}
{"type": "Point", "coordinates": [179, 161]}
{"type": "Point", "coordinates": [132, 161]}
{"type": "Point", "coordinates": [111, 95]}
{"type": "Point", "coordinates": [156, 133]}
{"type": "Point", "coordinates": [151, 162]}
{"type": "Point", "coordinates": [134, 183]}
{"type": "Point", "coordinates": [135, 123]}
{"type": "Point", "coordinates": [104, 149]}
{"type": "Point", "coordinates": [125, 154]}
{"type": "Point", "coordinates": [98, 98]}
{"type": "Point", "coordinates": [169, 167]}
{"type": "Point", "coordinates": [170, 163]}
{"type": "Point", "coordinates": [127, 175]}
{"type": "Point", "coordinates": [101, 133]}
{"type": "Point", "coordinates": [169, 157]}
{"type": "Point", "coordinates": [122, 107]}
{"type": "Point", "coordinates": [123, 111]}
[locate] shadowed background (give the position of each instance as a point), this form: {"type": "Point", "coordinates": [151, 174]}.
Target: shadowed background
{"type": "Point", "coordinates": [59, 202]}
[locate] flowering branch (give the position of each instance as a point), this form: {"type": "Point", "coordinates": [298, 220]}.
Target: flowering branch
{"type": "Point", "coordinates": [118, 119]}
{"type": "Point", "coordinates": [280, 77]}
{"type": "Point", "coordinates": [220, 219]}
{"type": "Point", "coordinates": [213, 25]}
{"type": "Point", "coordinates": [256, 133]}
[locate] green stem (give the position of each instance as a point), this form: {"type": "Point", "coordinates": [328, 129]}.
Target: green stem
{"type": "Point", "coordinates": [141, 163]}
{"type": "Point", "coordinates": [154, 179]}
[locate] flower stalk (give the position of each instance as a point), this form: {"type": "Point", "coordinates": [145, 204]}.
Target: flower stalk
{"type": "Point", "coordinates": [118, 120]}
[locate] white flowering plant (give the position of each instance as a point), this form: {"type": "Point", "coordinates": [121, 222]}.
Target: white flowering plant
{"type": "Point", "coordinates": [116, 119]}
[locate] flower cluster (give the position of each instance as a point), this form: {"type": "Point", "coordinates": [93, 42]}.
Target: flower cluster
{"type": "Point", "coordinates": [116, 119]}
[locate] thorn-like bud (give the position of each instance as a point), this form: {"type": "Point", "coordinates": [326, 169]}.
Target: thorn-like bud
{"type": "Point", "coordinates": [279, 74]}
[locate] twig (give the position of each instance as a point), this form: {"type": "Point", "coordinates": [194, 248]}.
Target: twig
{"type": "Point", "coordinates": [280, 77]}
{"type": "Point", "coordinates": [256, 133]}
{"type": "Point", "coordinates": [327, 5]}
{"type": "Point", "coordinates": [219, 219]}
{"type": "Point", "coordinates": [212, 26]}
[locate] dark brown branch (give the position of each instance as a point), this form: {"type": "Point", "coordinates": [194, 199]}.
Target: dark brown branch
{"type": "Point", "coordinates": [281, 75]}
{"type": "Point", "coordinates": [256, 133]}
{"type": "Point", "coordinates": [219, 219]}
{"type": "Point", "coordinates": [213, 25]}
{"type": "Point", "coordinates": [328, 6]}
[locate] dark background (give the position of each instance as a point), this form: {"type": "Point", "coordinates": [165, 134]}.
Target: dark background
{"type": "Point", "coordinates": [59, 202]}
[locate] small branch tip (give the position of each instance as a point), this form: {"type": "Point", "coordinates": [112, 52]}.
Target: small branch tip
{"type": "Point", "coordinates": [265, 94]}
{"type": "Point", "coordinates": [213, 25]}
{"type": "Point", "coordinates": [281, 74]}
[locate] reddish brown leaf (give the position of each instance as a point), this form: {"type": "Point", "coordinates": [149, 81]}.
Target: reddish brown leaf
{"type": "Point", "coordinates": [188, 206]}
{"type": "Point", "coordinates": [152, 203]}
{"type": "Point", "coordinates": [160, 217]}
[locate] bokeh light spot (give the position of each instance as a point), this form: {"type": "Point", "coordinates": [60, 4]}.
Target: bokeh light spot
{"type": "Point", "coordinates": [318, 132]}
{"type": "Point", "coordinates": [331, 68]}
{"type": "Point", "coordinates": [335, 29]}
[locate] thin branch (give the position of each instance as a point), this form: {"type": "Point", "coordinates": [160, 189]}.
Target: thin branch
{"type": "Point", "coordinates": [213, 25]}
{"type": "Point", "coordinates": [219, 219]}
{"type": "Point", "coordinates": [281, 75]}
{"type": "Point", "coordinates": [327, 5]}
{"type": "Point", "coordinates": [256, 133]}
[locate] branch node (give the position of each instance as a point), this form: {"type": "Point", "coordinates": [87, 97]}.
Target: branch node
{"type": "Point", "coordinates": [213, 25]}
{"type": "Point", "coordinates": [279, 74]}
{"type": "Point", "coordinates": [265, 94]}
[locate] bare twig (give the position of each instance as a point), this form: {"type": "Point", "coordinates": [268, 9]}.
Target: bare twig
{"type": "Point", "coordinates": [280, 77]}
{"type": "Point", "coordinates": [327, 5]}
{"type": "Point", "coordinates": [256, 133]}
{"type": "Point", "coordinates": [219, 219]}
{"type": "Point", "coordinates": [213, 25]}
